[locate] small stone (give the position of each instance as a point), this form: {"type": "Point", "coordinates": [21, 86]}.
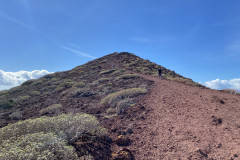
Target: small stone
{"type": "Point", "coordinates": [129, 131]}
{"type": "Point", "coordinates": [124, 154]}
{"type": "Point", "coordinates": [121, 133]}
{"type": "Point", "coordinates": [123, 140]}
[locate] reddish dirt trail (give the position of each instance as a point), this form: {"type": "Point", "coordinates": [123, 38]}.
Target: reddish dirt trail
{"type": "Point", "coordinates": [178, 123]}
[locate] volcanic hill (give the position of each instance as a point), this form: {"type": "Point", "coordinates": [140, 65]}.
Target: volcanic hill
{"type": "Point", "coordinates": [145, 117]}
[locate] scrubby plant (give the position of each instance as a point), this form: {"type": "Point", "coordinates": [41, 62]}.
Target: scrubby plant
{"type": "Point", "coordinates": [127, 76]}
{"type": "Point", "coordinates": [124, 104]}
{"type": "Point", "coordinates": [40, 145]}
{"type": "Point", "coordinates": [111, 110]}
{"type": "Point", "coordinates": [81, 92]}
{"type": "Point", "coordinates": [66, 124]}
{"type": "Point", "coordinates": [16, 115]}
{"type": "Point", "coordinates": [34, 93]}
{"type": "Point", "coordinates": [127, 93]}
{"type": "Point", "coordinates": [118, 72]}
{"type": "Point", "coordinates": [65, 84]}
{"type": "Point", "coordinates": [37, 82]}
{"type": "Point", "coordinates": [53, 109]}
{"type": "Point", "coordinates": [28, 82]}
{"type": "Point", "coordinates": [7, 104]}
{"type": "Point", "coordinates": [79, 84]}
{"type": "Point", "coordinates": [107, 71]}
{"type": "Point", "coordinates": [22, 98]}
{"type": "Point", "coordinates": [232, 91]}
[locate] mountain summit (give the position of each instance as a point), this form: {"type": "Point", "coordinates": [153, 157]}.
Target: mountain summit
{"type": "Point", "coordinates": [173, 118]}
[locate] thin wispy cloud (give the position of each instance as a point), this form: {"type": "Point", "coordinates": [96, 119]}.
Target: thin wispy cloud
{"type": "Point", "coordinates": [141, 39]}
{"type": "Point", "coordinates": [74, 45]}
{"type": "Point", "coordinates": [79, 53]}
{"type": "Point", "coordinates": [16, 21]}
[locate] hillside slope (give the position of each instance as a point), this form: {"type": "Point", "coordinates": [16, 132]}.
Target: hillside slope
{"type": "Point", "coordinates": [80, 89]}
{"type": "Point", "coordinates": [173, 118]}
{"type": "Point", "coordinates": [178, 121]}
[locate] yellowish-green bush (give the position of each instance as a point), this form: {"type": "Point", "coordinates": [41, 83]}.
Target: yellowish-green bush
{"type": "Point", "coordinates": [52, 109]}
{"type": "Point", "coordinates": [127, 76]}
{"type": "Point", "coordinates": [34, 93]}
{"type": "Point", "coordinates": [40, 145]}
{"type": "Point", "coordinates": [118, 72]}
{"type": "Point", "coordinates": [28, 82]}
{"type": "Point", "coordinates": [124, 104]}
{"type": "Point", "coordinates": [111, 110]}
{"type": "Point", "coordinates": [127, 93]}
{"type": "Point", "coordinates": [16, 115]}
{"type": "Point", "coordinates": [79, 84]}
{"type": "Point", "coordinates": [69, 124]}
{"type": "Point", "coordinates": [21, 98]}
{"type": "Point", "coordinates": [108, 71]}
{"type": "Point", "coordinates": [6, 104]}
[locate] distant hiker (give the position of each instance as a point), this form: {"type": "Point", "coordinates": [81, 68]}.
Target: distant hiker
{"type": "Point", "coordinates": [160, 73]}
{"type": "Point", "coordinates": [113, 66]}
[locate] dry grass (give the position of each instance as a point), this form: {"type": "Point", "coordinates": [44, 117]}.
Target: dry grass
{"type": "Point", "coordinates": [53, 109]}
{"type": "Point", "coordinates": [108, 71]}
{"type": "Point", "coordinates": [127, 76]}
{"type": "Point", "coordinates": [127, 93]}
{"type": "Point", "coordinates": [232, 91]}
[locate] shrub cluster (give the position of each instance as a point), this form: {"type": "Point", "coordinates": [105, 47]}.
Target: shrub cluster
{"type": "Point", "coordinates": [52, 109]}
{"type": "Point", "coordinates": [7, 104]}
{"type": "Point", "coordinates": [41, 145]}
{"type": "Point", "coordinates": [127, 76]}
{"type": "Point", "coordinates": [108, 71]}
{"type": "Point", "coordinates": [46, 137]}
{"type": "Point", "coordinates": [127, 93]}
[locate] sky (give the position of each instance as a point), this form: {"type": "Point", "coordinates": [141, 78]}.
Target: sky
{"type": "Point", "coordinates": [199, 39]}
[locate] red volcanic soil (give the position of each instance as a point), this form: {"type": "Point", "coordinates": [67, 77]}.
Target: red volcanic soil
{"type": "Point", "coordinates": [178, 121]}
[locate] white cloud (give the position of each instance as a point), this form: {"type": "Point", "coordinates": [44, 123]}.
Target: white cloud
{"type": "Point", "coordinates": [12, 79]}
{"type": "Point", "coordinates": [224, 84]}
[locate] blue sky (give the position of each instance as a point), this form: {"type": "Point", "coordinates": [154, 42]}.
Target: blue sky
{"type": "Point", "coordinates": [199, 39]}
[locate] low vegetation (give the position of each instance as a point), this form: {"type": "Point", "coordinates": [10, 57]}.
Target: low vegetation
{"type": "Point", "coordinates": [108, 71]}
{"type": "Point", "coordinates": [127, 76]}
{"type": "Point", "coordinates": [53, 109]}
{"type": "Point", "coordinates": [232, 91]}
{"type": "Point", "coordinates": [46, 137]}
{"type": "Point", "coordinates": [41, 145]}
{"type": "Point", "coordinates": [7, 104]}
{"type": "Point", "coordinates": [127, 93]}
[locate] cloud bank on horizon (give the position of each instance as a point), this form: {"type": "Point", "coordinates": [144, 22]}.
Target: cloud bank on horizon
{"type": "Point", "coordinates": [13, 79]}
{"type": "Point", "coordinates": [223, 84]}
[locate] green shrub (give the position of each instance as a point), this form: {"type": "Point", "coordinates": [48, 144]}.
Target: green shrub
{"type": "Point", "coordinates": [127, 93]}
{"type": "Point", "coordinates": [53, 109]}
{"type": "Point", "coordinates": [68, 124]}
{"type": "Point", "coordinates": [108, 71]}
{"type": "Point", "coordinates": [124, 104]}
{"type": "Point", "coordinates": [40, 145]}
{"type": "Point", "coordinates": [79, 84]}
{"type": "Point", "coordinates": [118, 72]}
{"type": "Point", "coordinates": [37, 82]}
{"type": "Point", "coordinates": [65, 84]}
{"type": "Point", "coordinates": [16, 115]}
{"type": "Point", "coordinates": [34, 93]}
{"type": "Point", "coordinates": [7, 104]}
{"type": "Point", "coordinates": [127, 76]}
{"type": "Point", "coordinates": [22, 98]}
{"type": "Point", "coordinates": [31, 81]}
